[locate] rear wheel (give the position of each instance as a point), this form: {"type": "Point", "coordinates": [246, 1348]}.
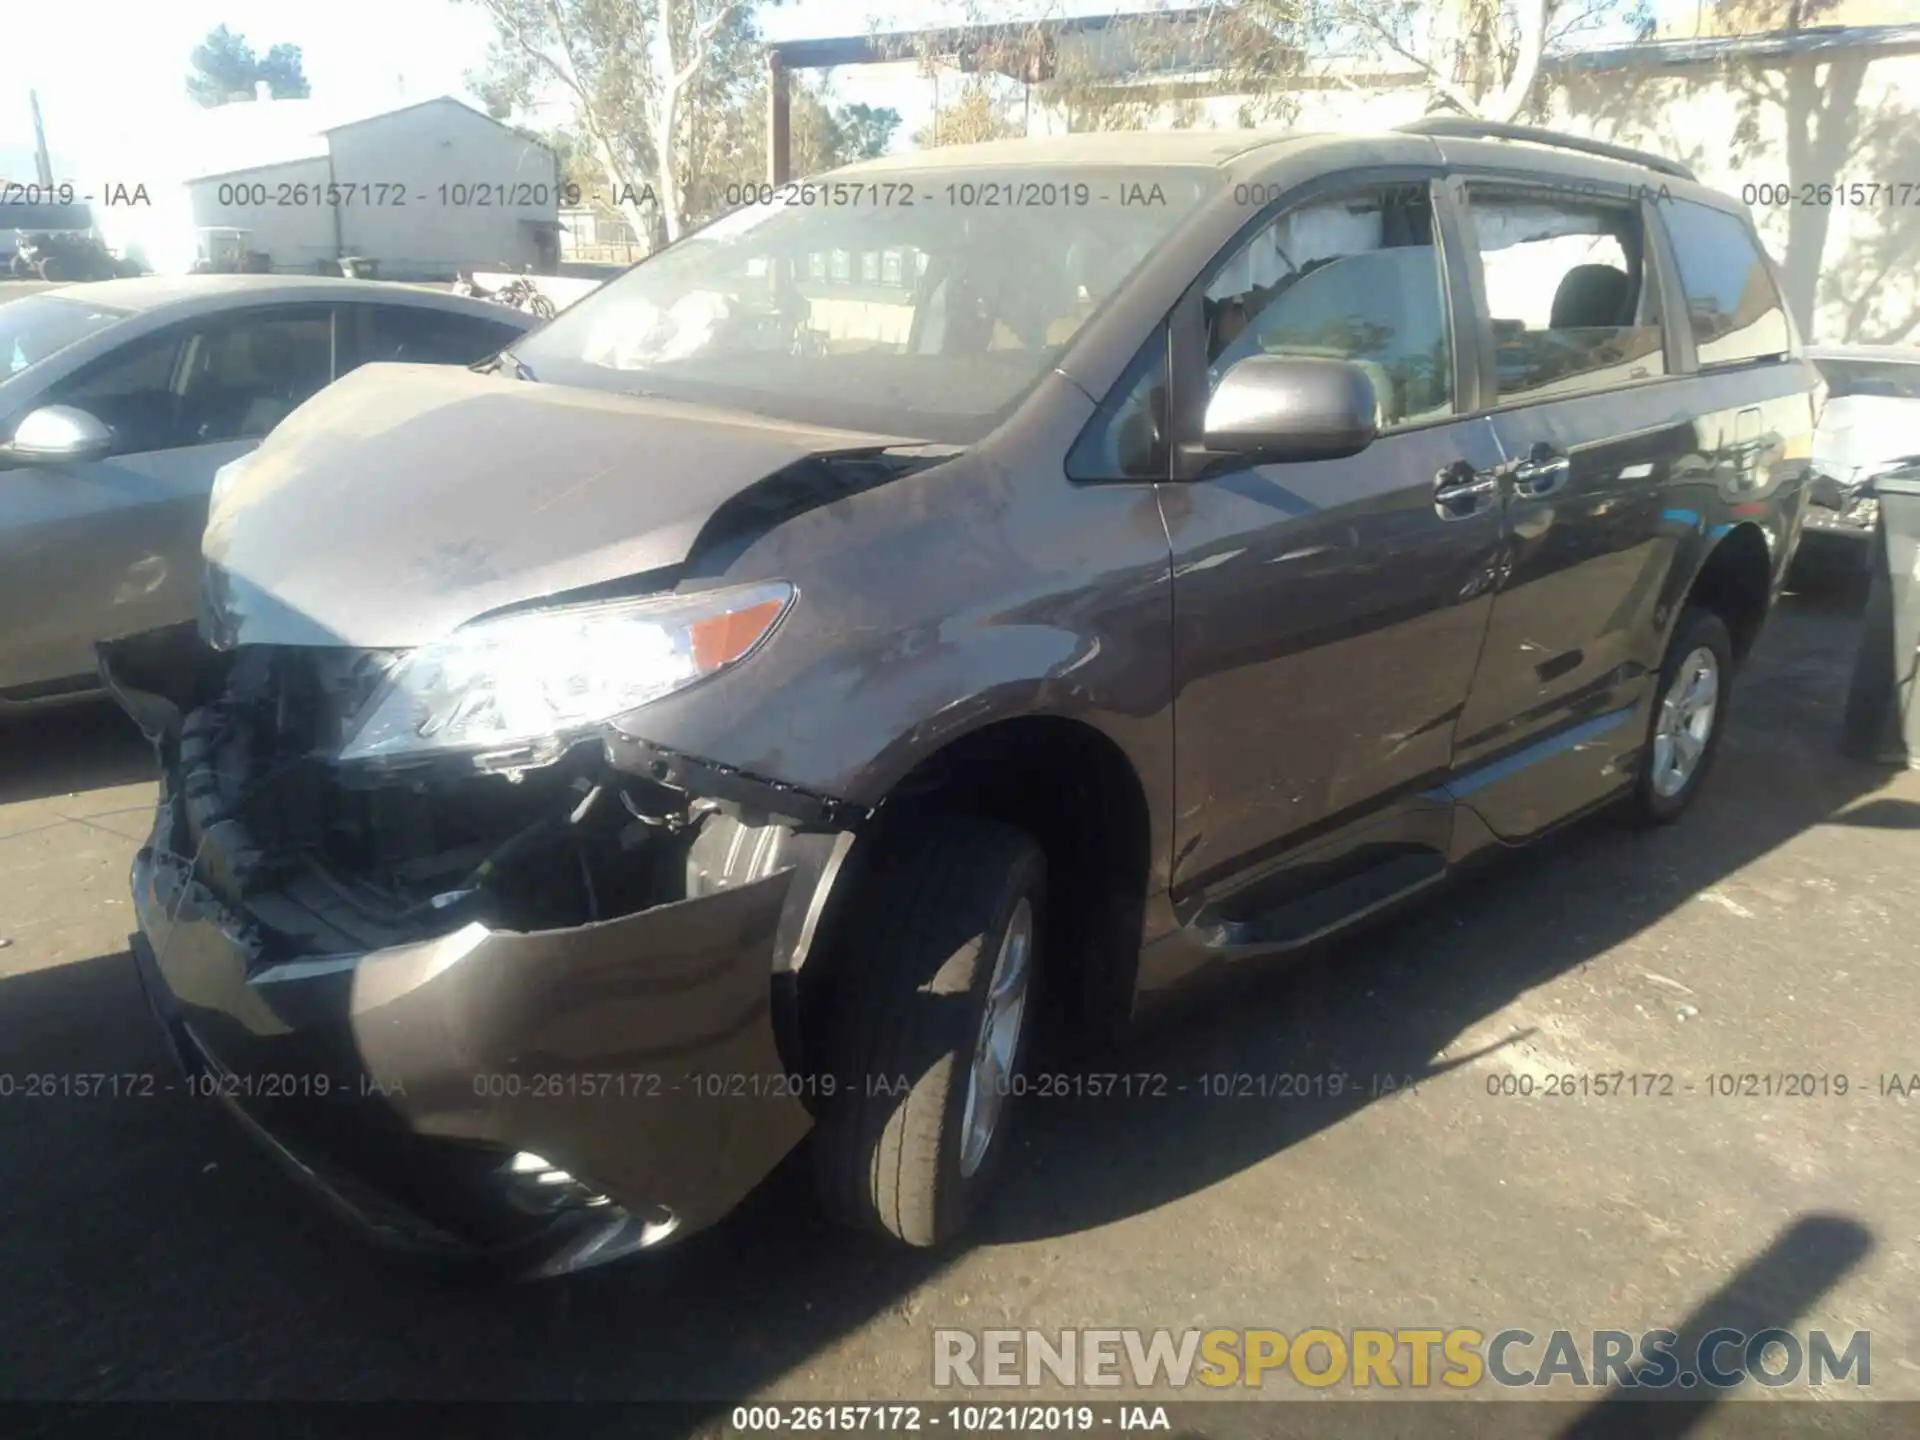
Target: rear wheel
{"type": "Point", "coordinates": [929, 1027]}
{"type": "Point", "coordinates": [1688, 716]}
{"type": "Point", "coordinates": [53, 268]}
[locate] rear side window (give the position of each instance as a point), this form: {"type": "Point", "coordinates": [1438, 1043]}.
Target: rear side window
{"type": "Point", "coordinates": [1568, 295]}
{"type": "Point", "coordinates": [1732, 302]}
{"type": "Point", "coordinates": [416, 335]}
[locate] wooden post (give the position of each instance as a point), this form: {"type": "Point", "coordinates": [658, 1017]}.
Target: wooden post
{"type": "Point", "coordinates": [779, 126]}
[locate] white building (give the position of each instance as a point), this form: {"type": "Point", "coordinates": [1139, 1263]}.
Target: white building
{"type": "Point", "coordinates": [424, 190]}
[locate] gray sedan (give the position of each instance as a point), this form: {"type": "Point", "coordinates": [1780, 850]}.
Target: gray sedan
{"type": "Point", "coordinates": [119, 400]}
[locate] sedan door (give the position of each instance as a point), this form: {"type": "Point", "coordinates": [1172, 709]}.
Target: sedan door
{"type": "Point", "coordinates": [90, 551]}
{"type": "Point", "coordinates": [1329, 613]}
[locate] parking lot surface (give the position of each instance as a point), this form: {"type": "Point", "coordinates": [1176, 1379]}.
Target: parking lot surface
{"type": "Point", "coordinates": [146, 1250]}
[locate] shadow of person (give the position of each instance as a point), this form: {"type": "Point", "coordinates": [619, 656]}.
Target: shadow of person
{"type": "Point", "coordinates": [1772, 1290]}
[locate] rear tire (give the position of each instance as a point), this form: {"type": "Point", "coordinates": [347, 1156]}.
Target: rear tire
{"type": "Point", "coordinates": [1689, 716]}
{"type": "Point", "coordinates": [899, 1146]}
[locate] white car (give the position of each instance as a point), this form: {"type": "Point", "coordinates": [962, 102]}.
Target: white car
{"type": "Point", "coordinates": [1870, 423]}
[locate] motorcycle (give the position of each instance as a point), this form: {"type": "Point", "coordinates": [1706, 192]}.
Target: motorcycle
{"type": "Point", "coordinates": [518, 292]}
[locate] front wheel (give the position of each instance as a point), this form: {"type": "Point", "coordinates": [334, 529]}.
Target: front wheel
{"type": "Point", "coordinates": [1688, 717]}
{"type": "Point", "coordinates": [929, 1027]}
{"type": "Point", "coordinates": [541, 306]}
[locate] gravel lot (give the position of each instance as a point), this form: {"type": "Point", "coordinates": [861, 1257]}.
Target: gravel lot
{"type": "Point", "coordinates": [147, 1251]}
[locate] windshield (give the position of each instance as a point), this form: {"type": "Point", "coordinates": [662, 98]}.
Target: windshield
{"type": "Point", "coordinates": [926, 303]}
{"type": "Point", "coordinates": [36, 326]}
{"type": "Point", "coordinates": [1888, 379]}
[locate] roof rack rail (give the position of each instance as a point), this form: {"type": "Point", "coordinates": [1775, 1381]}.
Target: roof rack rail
{"type": "Point", "coordinates": [1461, 127]}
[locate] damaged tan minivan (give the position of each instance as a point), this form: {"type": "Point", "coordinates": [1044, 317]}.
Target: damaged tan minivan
{"type": "Point", "coordinates": [1066, 570]}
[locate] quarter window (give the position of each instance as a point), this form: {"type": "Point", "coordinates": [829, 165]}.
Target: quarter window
{"type": "Point", "coordinates": [1357, 278]}
{"type": "Point", "coordinates": [1732, 302]}
{"type": "Point", "coordinates": [1568, 293]}
{"type": "Point", "coordinates": [1128, 439]}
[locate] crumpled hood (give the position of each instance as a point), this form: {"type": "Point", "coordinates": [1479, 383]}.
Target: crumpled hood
{"type": "Point", "coordinates": [404, 500]}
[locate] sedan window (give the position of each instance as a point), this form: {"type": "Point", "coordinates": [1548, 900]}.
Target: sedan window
{"type": "Point", "coordinates": [229, 379]}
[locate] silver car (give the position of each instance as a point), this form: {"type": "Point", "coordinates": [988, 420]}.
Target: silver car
{"type": "Point", "coordinates": [119, 400]}
{"type": "Point", "coordinates": [1869, 424]}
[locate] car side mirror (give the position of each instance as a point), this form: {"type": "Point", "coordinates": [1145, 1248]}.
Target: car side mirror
{"type": "Point", "coordinates": [1283, 407]}
{"type": "Point", "coordinates": [57, 435]}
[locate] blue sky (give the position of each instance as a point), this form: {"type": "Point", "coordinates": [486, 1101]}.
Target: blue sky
{"type": "Point", "coordinates": [102, 83]}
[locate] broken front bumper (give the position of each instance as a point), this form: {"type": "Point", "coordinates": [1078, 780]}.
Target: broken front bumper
{"type": "Point", "coordinates": [546, 1099]}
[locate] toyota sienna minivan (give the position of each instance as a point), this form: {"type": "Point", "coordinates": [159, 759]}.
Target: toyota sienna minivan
{"type": "Point", "coordinates": [1072, 571]}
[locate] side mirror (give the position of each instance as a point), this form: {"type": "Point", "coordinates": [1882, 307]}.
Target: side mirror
{"type": "Point", "coordinates": [1280, 407]}
{"type": "Point", "coordinates": [57, 435]}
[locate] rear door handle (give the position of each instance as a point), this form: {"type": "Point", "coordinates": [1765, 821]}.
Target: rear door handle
{"type": "Point", "coordinates": [1544, 471]}
{"type": "Point", "coordinates": [1461, 492]}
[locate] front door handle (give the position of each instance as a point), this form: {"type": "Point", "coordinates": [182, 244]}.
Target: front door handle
{"type": "Point", "coordinates": [1461, 492]}
{"type": "Point", "coordinates": [1544, 471]}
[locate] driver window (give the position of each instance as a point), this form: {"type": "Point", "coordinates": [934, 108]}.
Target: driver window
{"type": "Point", "coordinates": [131, 392]}
{"type": "Point", "coordinates": [1355, 278]}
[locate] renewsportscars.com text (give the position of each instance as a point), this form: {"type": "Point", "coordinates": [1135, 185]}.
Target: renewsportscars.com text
{"type": "Point", "coordinates": [1458, 1358]}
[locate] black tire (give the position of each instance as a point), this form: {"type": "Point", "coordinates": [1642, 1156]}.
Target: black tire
{"type": "Point", "coordinates": [53, 268]}
{"type": "Point", "coordinates": [541, 306]}
{"type": "Point", "coordinates": [914, 963]}
{"type": "Point", "coordinates": [1697, 629]}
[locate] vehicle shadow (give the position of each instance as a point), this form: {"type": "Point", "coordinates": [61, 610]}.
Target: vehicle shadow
{"type": "Point", "coordinates": [87, 745]}
{"type": "Point", "coordinates": [148, 1252]}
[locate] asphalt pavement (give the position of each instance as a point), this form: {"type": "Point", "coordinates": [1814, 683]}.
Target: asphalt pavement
{"type": "Point", "coordinates": [148, 1251]}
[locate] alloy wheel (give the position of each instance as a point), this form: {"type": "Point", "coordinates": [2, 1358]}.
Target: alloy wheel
{"type": "Point", "coordinates": [1685, 723]}
{"type": "Point", "coordinates": [990, 1079]}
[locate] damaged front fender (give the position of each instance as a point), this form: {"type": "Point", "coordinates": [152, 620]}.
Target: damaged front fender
{"type": "Point", "coordinates": [592, 1034]}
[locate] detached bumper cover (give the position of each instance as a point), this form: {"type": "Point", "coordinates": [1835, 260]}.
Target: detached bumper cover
{"type": "Point", "coordinates": [636, 1055]}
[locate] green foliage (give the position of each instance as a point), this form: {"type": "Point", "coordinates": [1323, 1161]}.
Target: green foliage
{"type": "Point", "coordinates": [225, 68]}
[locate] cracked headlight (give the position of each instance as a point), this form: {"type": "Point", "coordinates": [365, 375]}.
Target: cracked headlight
{"type": "Point", "coordinates": [519, 690]}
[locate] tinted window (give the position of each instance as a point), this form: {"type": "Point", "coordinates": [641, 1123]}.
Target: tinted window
{"type": "Point", "coordinates": [228, 380]}
{"type": "Point", "coordinates": [246, 376]}
{"type": "Point", "coordinates": [415, 335]}
{"type": "Point", "coordinates": [1732, 302]}
{"type": "Point", "coordinates": [1888, 379]}
{"type": "Point", "coordinates": [1352, 279]}
{"type": "Point", "coordinates": [132, 392]}
{"type": "Point", "coordinates": [1567, 295]}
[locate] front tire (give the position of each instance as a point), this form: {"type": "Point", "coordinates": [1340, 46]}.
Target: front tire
{"type": "Point", "coordinates": [1689, 715]}
{"type": "Point", "coordinates": [928, 1033]}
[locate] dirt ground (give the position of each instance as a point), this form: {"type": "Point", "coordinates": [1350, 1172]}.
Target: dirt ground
{"type": "Point", "coordinates": [146, 1250]}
